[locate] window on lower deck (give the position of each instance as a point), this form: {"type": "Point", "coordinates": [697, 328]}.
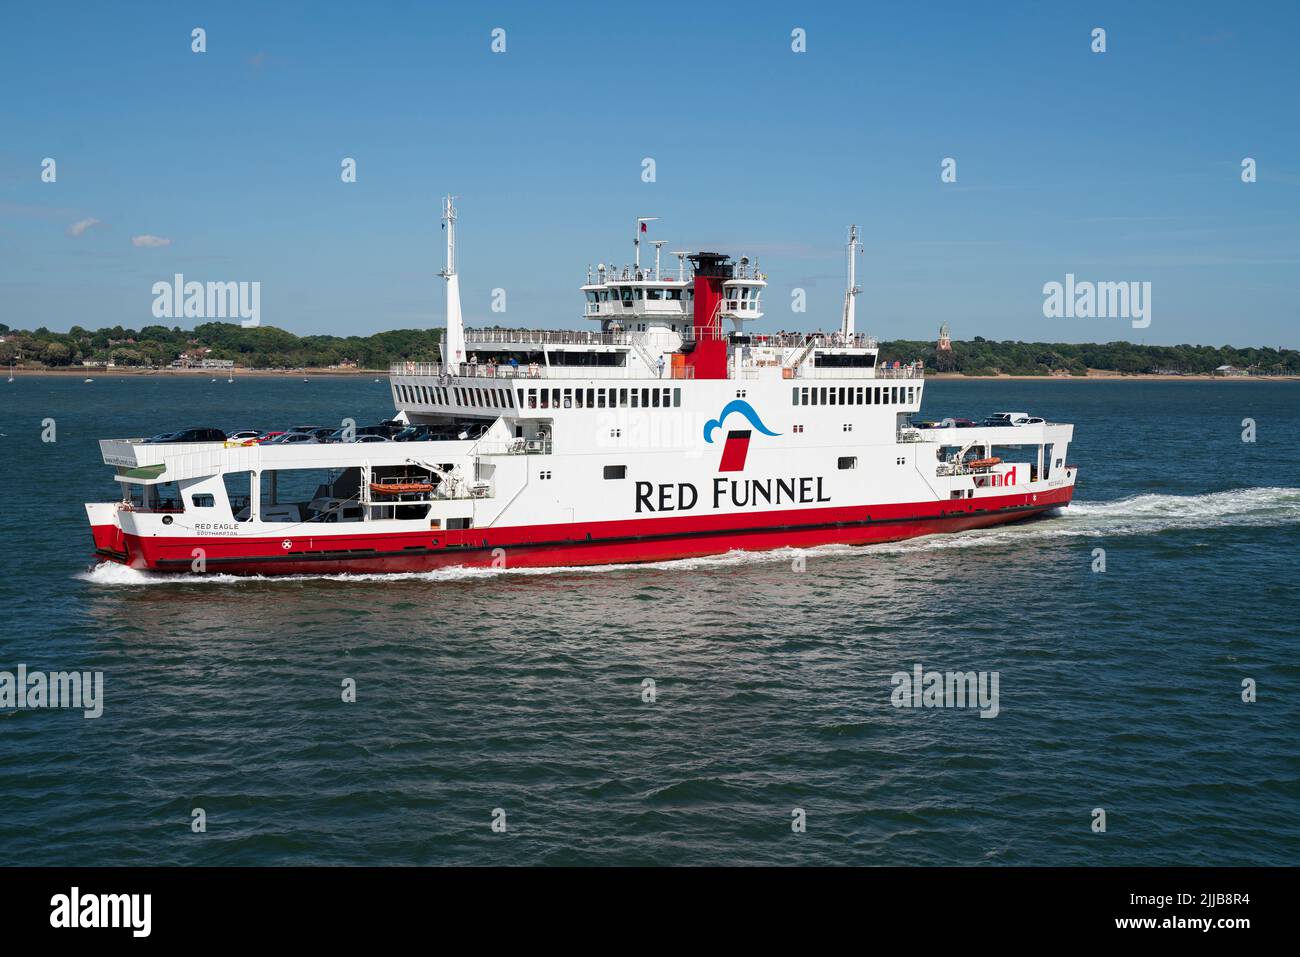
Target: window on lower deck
{"type": "Point", "coordinates": [615, 471]}
{"type": "Point", "coordinates": [848, 461]}
{"type": "Point", "coordinates": [203, 500]}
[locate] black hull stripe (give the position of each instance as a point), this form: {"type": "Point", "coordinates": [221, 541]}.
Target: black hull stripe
{"type": "Point", "coordinates": [367, 554]}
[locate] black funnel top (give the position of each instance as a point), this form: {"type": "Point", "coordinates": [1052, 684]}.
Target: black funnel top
{"type": "Point", "coordinates": [712, 264]}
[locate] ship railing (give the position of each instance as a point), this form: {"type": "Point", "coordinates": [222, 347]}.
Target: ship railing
{"type": "Point", "coordinates": [915, 370]}
{"type": "Point", "coordinates": [809, 340]}
{"type": "Point", "coordinates": [516, 446]}
{"type": "Point", "coordinates": [532, 370]}
{"type": "Point", "coordinates": [829, 372]}
{"type": "Point", "coordinates": [867, 373]}
{"type": "Point", "coordinates": [566, 337]}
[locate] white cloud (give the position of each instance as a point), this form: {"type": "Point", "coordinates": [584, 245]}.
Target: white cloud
{"type": "Point", "coordinates": [79, 227]}
{"type": "Point", "coordinates": [150, 241]}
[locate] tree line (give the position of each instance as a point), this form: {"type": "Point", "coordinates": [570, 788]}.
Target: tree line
{"type": "Point", "coordinates": [266, 347]}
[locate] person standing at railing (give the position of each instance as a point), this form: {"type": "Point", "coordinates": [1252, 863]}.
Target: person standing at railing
{"type": "Point", "coordinates": [661, 367]}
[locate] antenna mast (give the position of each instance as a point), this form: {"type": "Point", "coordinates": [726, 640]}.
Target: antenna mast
{"type": "Point", "coordinates": [453, 346]}
{"type": "Point", "coordinates": [636, 238]}
{"type": "Point", "coordinates": [851, 294]}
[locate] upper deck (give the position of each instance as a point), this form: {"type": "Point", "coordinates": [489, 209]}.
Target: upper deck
{"type": "Point", "coordinates": [637, 299]}
{"type": "Point", "coordinates": [572, 354]}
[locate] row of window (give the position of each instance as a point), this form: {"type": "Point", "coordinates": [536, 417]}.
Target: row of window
{"type": "Point", "coordinates": [503, 398]}
{"type": "Point", "coordinates": [630, 294]}
{"type": "Point", "coordinates": [474, 398]}
{"type": "Point", "coordinates": [854, 395]}
{"type": "Point", "coordinates": [646, 398]}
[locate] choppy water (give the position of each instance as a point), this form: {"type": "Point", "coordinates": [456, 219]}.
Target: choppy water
{"type": "Point", "coordinates": [523, 690]}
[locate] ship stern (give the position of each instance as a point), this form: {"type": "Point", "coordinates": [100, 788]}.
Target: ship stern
{"type": "Point", "coordinates": [106, 531]}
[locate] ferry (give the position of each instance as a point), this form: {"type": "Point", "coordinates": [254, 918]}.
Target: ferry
{"type": "Point", "coordinates": [668, 430]}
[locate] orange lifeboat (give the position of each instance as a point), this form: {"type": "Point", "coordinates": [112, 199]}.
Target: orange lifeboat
{"type": "Point", "coordinates": [985, 463]}
{"type": "Point", "coordinates": [400, 488]}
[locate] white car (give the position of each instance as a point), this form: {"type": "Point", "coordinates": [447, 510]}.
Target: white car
{"type": "Point", "coordinates": [1003, 419]}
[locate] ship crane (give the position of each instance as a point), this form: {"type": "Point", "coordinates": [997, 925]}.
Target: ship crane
{"type": "Point", "coordinates": [451, 482]}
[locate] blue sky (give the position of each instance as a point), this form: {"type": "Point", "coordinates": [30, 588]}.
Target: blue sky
{"type": "Point", "coordinates": [1116, 166]}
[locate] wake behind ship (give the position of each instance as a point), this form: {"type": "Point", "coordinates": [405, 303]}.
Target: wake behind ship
{"type": "Point", "coordinates": [661, 436]}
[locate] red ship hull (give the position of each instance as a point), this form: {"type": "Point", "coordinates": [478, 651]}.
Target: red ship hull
{"type": "Point", "coordinates": [599, 543]}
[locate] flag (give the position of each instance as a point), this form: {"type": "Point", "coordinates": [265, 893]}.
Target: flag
{"type": "Point", "coordinates": [643, 227]}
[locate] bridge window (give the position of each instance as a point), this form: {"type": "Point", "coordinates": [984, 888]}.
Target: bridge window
{"type": "Point", "coordinates": [239, 493]}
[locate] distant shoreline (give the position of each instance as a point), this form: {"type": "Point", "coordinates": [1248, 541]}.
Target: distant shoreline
{"type": "Point", "coordinates": [1094, 375]}
{"type": "Point", "coordinates": [1100, 375]}
{"type": "Point", "coordinates": [200, 373]}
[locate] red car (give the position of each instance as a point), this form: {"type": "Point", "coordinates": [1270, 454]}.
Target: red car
{"type": "Point", "coordinates": [267, 437]}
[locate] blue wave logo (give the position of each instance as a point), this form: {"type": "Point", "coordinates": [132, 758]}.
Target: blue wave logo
{"type": "Point", "coordinates": [742, 407]}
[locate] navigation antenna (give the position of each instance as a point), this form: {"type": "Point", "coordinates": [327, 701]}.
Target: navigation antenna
{"type": "Point", "coordinates": [636, 238]}
{"type": "Point", "coordinates": [681, 264]}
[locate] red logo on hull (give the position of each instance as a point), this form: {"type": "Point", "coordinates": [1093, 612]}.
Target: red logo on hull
{"type": "Point", "coordinates": [734, 451]}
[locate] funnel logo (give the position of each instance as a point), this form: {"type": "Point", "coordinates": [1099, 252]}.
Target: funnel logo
{"type": "Point", "coordinates": [736, 448]}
